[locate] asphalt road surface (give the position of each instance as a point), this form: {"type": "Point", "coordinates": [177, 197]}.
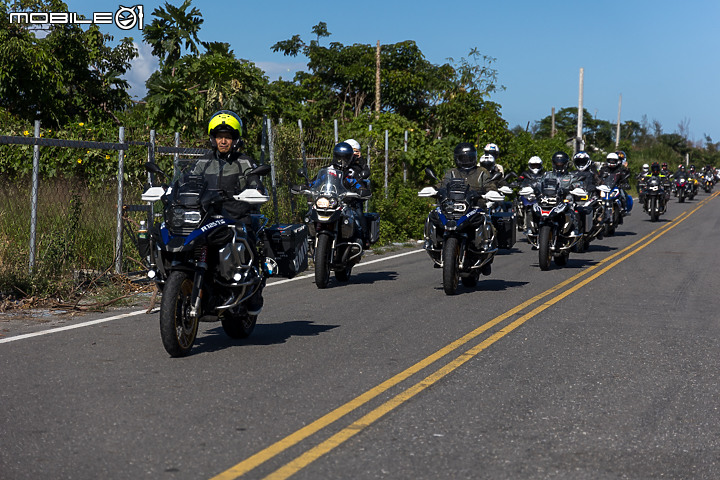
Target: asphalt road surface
{"type": "Point", "coordinates": [608, 367]}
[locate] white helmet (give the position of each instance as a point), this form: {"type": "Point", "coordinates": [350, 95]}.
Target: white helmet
{"type": "Point", "coordinates": [645, 168]}
{"type": "Point", "coordinates": [353, 143]}
{"type": "Point", "coordinates": [535, 164]}
{"type": "Point", "coordinates": [487, 161]}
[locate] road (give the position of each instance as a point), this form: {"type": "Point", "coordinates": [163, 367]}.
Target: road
{"type": "Point", "coordinates": [605, 368]}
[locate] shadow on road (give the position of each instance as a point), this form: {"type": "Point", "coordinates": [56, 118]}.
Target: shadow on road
{"type": "Point", "coordinates": [364, 278]}
{"type": "Point", "coordinates": [494, 285]}
{"type": "Point", "coordinates": [264, 334]}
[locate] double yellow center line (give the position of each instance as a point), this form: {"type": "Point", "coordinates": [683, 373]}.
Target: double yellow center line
{"type": "Point", "coordinates": [567, 287]}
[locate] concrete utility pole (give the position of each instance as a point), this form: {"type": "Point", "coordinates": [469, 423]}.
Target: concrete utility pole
{"type": "Point", "coordinates": [617, 133]}
{"type": "Point", "coordinates": [578, 140]}
{"type": "Point", "coordinates": [552, 123]}
{"type": "Point", "coordinates": [377, 80]}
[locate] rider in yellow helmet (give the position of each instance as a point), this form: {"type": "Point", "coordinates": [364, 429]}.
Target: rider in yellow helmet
{"type": "Point", "coordinates": [226, 169]}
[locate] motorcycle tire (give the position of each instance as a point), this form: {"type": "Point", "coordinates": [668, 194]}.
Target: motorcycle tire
{"type": "Point", "coordinates": [322, 261]}
{"type": "Point", "coordinates": [239, 326]}
{"type": "Point", "coordinates": [177, 329]}
{"type": "Point", "coordinates": [653, 209]}
{"type": "Point", "coordinates": [544, 247]}
{"type": "Point", "coordinates": [450, 260]}
{"type": "Point", "coordinates": [681, 197]}
{"type": "Point", "coordinates": [344, 274]}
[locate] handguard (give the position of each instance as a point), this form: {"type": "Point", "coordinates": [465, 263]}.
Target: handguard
{"type": "Point", "coordinates": [252, 196]}
{"type": "Point", "coordinates": [153, 194]}
{"type": "Point", "coordinates": [427, 192]}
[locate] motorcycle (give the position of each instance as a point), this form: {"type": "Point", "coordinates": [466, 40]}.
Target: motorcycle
{"type": "Point", "coordinates": [207, 266]}
{"type": "Point", "coordinates": [682, 188]}
{"type": "Point", "coordinates": [589, 211]}
{"type": "Point", "coordinates": [610, 196]}
{"type": "Point", "coordinates": [459, 235]}
{"type": "Point", "coordinates": [708, 182]}
{"type": "Point", "coordinates": [654, 198]}
{"type": "Point", "coordinates": [553, 220]}
{"type": "Point", "coordinates": [334, 224]}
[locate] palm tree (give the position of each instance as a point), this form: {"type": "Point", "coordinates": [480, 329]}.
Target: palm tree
{"type": "Point", "coordinates": [171, 27]}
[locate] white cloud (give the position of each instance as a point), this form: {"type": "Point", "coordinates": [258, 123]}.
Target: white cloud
{"type": "Point", "coordinates": [274, 70]}
{"type": "Point", "coordinates": [140, 70]}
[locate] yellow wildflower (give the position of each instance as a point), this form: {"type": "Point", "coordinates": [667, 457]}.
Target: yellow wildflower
{"type": "Point", "coordinates": [79, 160]}
{"type": "Point", "coordinates": [26, 133]}
{"type": "Point", "coordinates": [107, 157]}
{"type": "Point", "coordinates": [82, 124]}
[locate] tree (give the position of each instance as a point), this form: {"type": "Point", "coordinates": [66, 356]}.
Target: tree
{"type": "Point", "coordinates": [189, 88]}
{"type": "Point", "coordinates": [345, 75]}
{"type": "Point", "coordinates": [67, 73]}
{"type": "Point", "coordinates": [171, 27]}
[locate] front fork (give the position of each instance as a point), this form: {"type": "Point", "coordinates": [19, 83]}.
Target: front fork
{"type": "Point", "coordinates": [196, 295]}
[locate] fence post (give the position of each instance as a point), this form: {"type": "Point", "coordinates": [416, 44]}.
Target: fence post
{"type": "Point", "coordinates": [263, 139]}
{"type": "Point", "coordinates": [336, 132]}
{"type": "Point", "coordinates": [405, 163]}
{"type": "Point", "coordinates": [302, 145]}
{"type": "Point", "coordinates": [176, 157]}
{"type": "Point", "coordinates": [386, 163]}
{"type": "Point", "coordinates": [151, 156]}
{"type": "Point", "coordinates": [34, 197]}
{"type": "Point", "coordinates": [272, 168]}
{"type": "Point", "coordinates": [121, 170]}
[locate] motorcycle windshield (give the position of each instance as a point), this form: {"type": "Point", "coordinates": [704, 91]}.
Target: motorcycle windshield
{"type": "Point", "coordinates": [328, 183]}
{"type": "Point", "coordinates": [189, 171]}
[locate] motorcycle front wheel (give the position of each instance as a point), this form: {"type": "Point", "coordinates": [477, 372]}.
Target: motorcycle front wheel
{"type": "Point", "coordinates": [450, 260]}
{"type": "Point", "coordinates": [177, 328]}
{"type": "Point", "coordinates": [322, 261]}
{"type": "Point", "coordinates": [544, 247]}
{"type": "Point", "coordinates": [653, 209]}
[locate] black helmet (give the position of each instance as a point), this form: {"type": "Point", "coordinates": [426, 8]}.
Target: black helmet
{"type": "Point", "coordinates": [560, 162]}
{"type": "Point", "coordinates": [655, 168]}
{"type": "Point", "coordinates": [465, 156]}
{"type": "Point", "coordinates": [582, 161]}
{"type": "Point", "coordinates": [342, 154]}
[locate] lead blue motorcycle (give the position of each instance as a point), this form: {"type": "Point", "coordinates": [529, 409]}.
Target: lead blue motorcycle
{"type": "Point", "coordinates": [206, 265]}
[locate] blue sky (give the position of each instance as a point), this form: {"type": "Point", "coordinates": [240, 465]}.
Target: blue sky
{"type": "Point", "coordinates": [661, 55]}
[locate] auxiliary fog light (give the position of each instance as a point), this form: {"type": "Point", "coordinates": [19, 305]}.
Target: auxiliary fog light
{"type": "Point", "coordinates": [151, 274]}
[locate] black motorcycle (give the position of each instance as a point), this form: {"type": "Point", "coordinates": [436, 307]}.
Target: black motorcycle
{"type": "Point", "coordinates": [553, 220]}
{"type": "Point", "coordinates": [654, 197]}
{"type": "Point", "coordinates": [206, 265]}
{"type": "Point", "coordinates": [459, 235]}
{"type": "Point", "coordinates": [334, 224]}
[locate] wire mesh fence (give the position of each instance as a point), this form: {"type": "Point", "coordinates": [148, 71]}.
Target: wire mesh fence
{"type": "Point", "coordinates": [75, 229]}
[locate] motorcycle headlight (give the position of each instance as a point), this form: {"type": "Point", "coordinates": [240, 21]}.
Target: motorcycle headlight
{"type": "Point", "coordinates": [183, 218]}
{"type": "Point", "coordinates": [324, 203]}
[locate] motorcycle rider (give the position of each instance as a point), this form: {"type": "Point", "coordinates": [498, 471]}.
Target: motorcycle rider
{"type": "Point", "coordinates": [226, 169]}
{"type": "Point", "coordinates": [655, 171]}
{"type": "Point", "coordinates": [613, 166]}
{"type": "Point", "coordinates": [488, 162]}
{"type": "Point", "coordinates": [476, 176]}
{"type": "Point", "coordinates": [534, 172]}
{"type": "Point", "coordinates": [466, 167]}
{"type": "Point", "coordinates": [355, 179]}
{"type": "Point", "coordinates": [560, 164]}
{"type": "Point", "coordinates": [586, 173]}
{"type": "Point", "coordinates": [494, 151]}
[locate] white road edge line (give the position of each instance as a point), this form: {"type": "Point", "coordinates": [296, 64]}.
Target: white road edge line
{"type": "Point", "coordinates": [138, 312]}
